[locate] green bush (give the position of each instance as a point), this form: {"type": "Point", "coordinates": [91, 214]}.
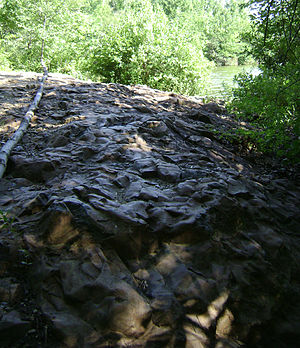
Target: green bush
{"type": "Point", "coordinates": [270, 103]}
{"type": "Point", "coordinates": [4, 61]}
{"type": "Point", "coordinates": [143, 47]}
{"type": "Point", "coordinates": [155, 42]}
{"type": "Point", "coordinates": [63, 33]}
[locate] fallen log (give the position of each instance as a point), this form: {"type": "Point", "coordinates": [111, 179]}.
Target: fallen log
{"type": "Point", "coordinates": [11, 143]}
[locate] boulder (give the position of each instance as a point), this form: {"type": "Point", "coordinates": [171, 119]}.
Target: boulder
{"type": "Point", "coordinates": [139, 226]}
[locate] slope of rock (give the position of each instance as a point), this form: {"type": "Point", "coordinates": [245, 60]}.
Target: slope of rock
{"type": "Point", "coordinates": [134, 226]}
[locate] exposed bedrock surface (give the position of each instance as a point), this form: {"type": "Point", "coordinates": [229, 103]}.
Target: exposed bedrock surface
{"type": "Point", "coordinates": [141, 229]}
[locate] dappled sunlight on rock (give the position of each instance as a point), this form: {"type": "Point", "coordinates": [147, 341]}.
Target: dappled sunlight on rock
{"type": "Point", "coordinates": [137, 143]}
{"type": "Point", "coordinates": [9, 126]}
{"type": "Point", "coordinates": [217, 305]}
{"type": "Point", "coordinates": [61, 231]}
{"type": "Point", "coordinates": [195, 337]}
{"type": "Point", "coordinates": [139, 227]}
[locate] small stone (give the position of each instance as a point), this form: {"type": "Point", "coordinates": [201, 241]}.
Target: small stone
{"type": "Point", "coordinates": [236, 188]}
{"type": "Point", "coordinates": [63, 105]}
{"type": "Point", "coordinates": [9, 291]}
{"type": "Point", "coordinates": [12, 327]}
{"type": "Point", "coordinates": [143, 109]}
{"type": "Point", "coordinates": [169, 172]}
{"type": "Point", "coordinates": [200, 115]}
{"type": "Point", "coordinates": [214, 107]}
{"type": "Point", "coordinates": [187, 188]}
{"type": "Point", "coordinates": [59, 141]}
{"type": "Point", "coordinates": [157, 128]}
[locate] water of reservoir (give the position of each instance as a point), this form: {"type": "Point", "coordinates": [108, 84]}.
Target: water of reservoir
{"type": "Point", "coordinates": [222, 76]}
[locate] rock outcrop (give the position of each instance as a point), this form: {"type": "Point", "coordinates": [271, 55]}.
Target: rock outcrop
{"type": "Point", "coordinates": [136, 226]}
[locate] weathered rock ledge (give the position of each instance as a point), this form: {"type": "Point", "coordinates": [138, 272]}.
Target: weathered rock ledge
{"type": "Point", "coordinates": [136, 227]}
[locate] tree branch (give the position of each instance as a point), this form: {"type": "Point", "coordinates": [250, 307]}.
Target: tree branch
{"type": "Point", "coordinates": [267, 23]}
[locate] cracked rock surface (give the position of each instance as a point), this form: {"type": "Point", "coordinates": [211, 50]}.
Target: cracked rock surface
{"type": "Point", "coordinates": [135, 226]}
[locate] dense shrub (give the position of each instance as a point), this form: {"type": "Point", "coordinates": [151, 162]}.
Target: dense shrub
{"type": "Point", "coordinates": [155, 42]}
{"type": "Point", "coordinates": [143, 47]}
{"type": "Point", "coordinates": [270, 103]}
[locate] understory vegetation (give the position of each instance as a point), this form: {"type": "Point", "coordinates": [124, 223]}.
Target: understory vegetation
{"type": "Point", "coordinates": [170, 45]}
{"type": "Point", "coordinates": [270, 101]}
{"type": "Point", "coordinates": [166, 44]}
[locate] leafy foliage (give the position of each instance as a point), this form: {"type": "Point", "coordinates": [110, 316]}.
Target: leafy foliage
{"type": "Point", "coordinates": [219, 25]}
{"type": "Point", "coordinates": [174, 7]}
{"type": "Point", "coordinates": [23, 40]}
{"type": "Point", "coordinates": [5, 221]}
{"type": "Point", "coordinates": [162, 43]}
{"type": "Point", "coordinates": [270, 101]}
{"type": "Point", "coordinates": [143, 47]}
{"type": "Point", "coordinates": [275, 30]}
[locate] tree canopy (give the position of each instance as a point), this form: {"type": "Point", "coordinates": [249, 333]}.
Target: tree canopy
{"type": "Point", "coordinates": [166, 44]}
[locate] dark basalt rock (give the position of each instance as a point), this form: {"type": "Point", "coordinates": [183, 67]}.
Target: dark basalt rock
{"type": "Point", "coordinates": [141, 229]}
{"type": "Point", "coordinates": [35, 169]}
{"type": "Point", "coordinates": [12, 328]}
